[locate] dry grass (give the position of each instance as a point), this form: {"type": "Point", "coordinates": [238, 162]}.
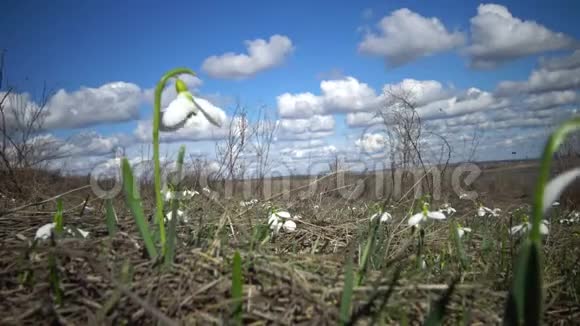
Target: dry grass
{"type": "Point", "coordinates": [295, 278]}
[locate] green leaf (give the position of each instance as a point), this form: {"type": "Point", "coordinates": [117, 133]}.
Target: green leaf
{"type": "Point", "coordinates": [525, 299]}
{"type": "Point", "coordinates": [373, 228]}
{"type": "Point", "coordinates": [111, 217]}
{"type": "Point", "coordinates": [237, 288]}
{"type": "Point", "coordinates": [458, 245]}
{"type": "Point", "coordinates": [169, 253]}
{"type": "Point", "coordinates": [347, 292]}
{"type": "Point", "coordinates": [58, 217]}
{"type": "Point", "coordinates": [134, 202]}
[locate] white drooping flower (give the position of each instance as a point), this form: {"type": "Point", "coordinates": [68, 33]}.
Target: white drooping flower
{"type": "Point", "coordinates": [168, 195]}
{"type": "Point", "coordinates": [384, 217]}
{"type": "Point", "coordinates": [248, 203]}
{"type": "Point", "coordinates": [461, 231]}
{"type": "Point", "coordinates": [206, 190]}
{"type": "Point", "coordinates": [424, 215]}
{"type": "Point", "coordinates": [556, 186]}
{"type": "Point", "coordinates": [184, 110]}
{"type": "Point", "coordinates": [44, 232]}
{"type": "Point", "coordinates": [281, 220]}
{"type": "Point", "coordinates": [464, 196]}
{"type": "Point", "coordinates": [189, 193]}
{"type": "Point", "coordinates": [482, 211]}
{"type": "Point", "coordinates": [180, 215]}
{"type": "Point", "coordinates": [447, 209]}
{"type": "Point", "coordinates": [527, 226]}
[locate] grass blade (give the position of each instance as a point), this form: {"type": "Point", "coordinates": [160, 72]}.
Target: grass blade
{"type": "Point", "coordinates": [374, 227]}
{"type": "Point", "coordinates": [58, 217]}
{"type": "Point", "coordinates": [237, 288]}
{"type": "Point", "coordinates": [525, 298]}
{"type": "Point", "coordinates": [437, 313]}
{"type": "Point", "coordinates": [53, 275]}
{"type": "Point", "coordinates": [111, 217]}
{"type": "Point", "coordinates": [458, 245]}
{"type": "Point", "coordinates": [347, 291]}
{"type": "Point", "coordinates": [134, 203]}
{"type": "Point", "coordinates": [169, 253]}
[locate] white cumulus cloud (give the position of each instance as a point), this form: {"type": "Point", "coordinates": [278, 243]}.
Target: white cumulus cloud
{"type": "Point", "coordinates": [405, 36]}
{"type": "Point", "coordinates": [498, 37]}
{"type": "Point", "coordinates": [262, 55]}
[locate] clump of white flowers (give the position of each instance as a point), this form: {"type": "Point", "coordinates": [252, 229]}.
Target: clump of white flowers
{"type": "Point", "coordinates": [527, 226]}
{"type": "Point", "coordinates": [281, 220]}
{"type": "Point", "coordinates": [248, 203]}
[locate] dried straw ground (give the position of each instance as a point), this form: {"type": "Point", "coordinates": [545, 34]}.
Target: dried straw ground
{"type": "Point", "coordinates": [293, 279]}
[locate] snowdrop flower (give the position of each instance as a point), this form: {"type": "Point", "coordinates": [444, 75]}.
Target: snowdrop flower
{"type": "Point", "coordinates": [316, 207]}
{"type": "Point", "coordinates": [44, 232]}
{"type": "Point", "coordinates": [447, 209]}
{"type": "Point", "coordinates": [281, 220]}
{"type": "Point", "coordinates": [482, 211]}
{"type": "Point", "coordinates": [526, 226]}
{"type": "Point", "coordinates": [168, 195]}
{"type": "Point", "coordinates": [461, 231]}
{"type": "Point", "coordinates": [179, 214]}
{"type": "Point", "coordinates": [183, 108]}
{"type": "Point", "coordinates": [248, 203]}
{"type": "Point", "coordinates": [421, 217]}
{"type": "Point", "coordinates": [189, 193]}
{"type": "Point", "coordinates": [384, 217]}
{"type": "Point", "coordinates": [464, 196]}
{"type": "Point", "coordinates": [555, 204]}
{"type": "Point", "coordinates": [206, 190]}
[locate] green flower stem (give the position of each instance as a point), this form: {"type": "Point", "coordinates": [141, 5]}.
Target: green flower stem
{"type": "Point", "coordinates": [157, 165]}
{"type": "Point", "coordinates": [551, 147]}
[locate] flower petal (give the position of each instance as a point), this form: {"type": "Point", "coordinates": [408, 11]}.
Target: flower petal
{"type": "Point", "coordinates": [416, 219]}
{"type": "Point", "coordinates": [544, 229]}
{"type": "Point", "coordinates": [517, 229]}
{"type": "Point", "coordinates": [289, 226]}
{"type": "Point", "coordinates": [556, 186]}
{"type": "Point", "coordinates": [283, 214]}
{"type": "Point", "coordinates": [436, 215]}
{"type": "Point", "coordinates": [385, 217]}
{"type": "Point", "coordinates": [481, 212]}
{"type": "Point", "coordinates": [177, 112]}
{"type": "Point", "coordinates": [44, 231]}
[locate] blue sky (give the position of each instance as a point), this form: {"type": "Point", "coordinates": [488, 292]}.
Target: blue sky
{"type": "Point", "coordinates": [72, 45]}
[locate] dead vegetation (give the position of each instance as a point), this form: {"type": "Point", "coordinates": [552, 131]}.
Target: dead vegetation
{"type": "Point", "coordinates": [294, 278]}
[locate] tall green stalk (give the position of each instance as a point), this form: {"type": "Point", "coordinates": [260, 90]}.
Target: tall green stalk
{"type": "Point", "coordinates": [157, 165]}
